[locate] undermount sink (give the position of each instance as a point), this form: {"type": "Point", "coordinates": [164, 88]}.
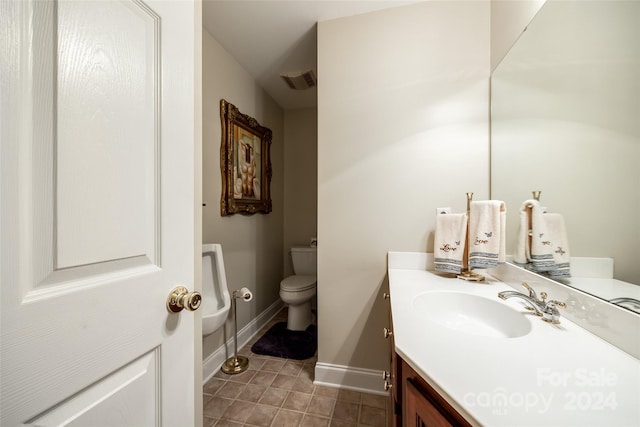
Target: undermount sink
{"type": "Point", "coordinates": [472, 314]}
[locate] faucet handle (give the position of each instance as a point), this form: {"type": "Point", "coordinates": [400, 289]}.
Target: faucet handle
{"type": "Point", "coordinates": [558, 304]}
{"type": "Point", "coordinates": [553, 302]}
{"type": "Point", "coordinates": [532, 292]}
{"type": "Point", "coordinates": [550, 312]}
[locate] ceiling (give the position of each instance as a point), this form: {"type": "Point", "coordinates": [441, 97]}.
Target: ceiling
{"type": "Point", "coordinates": [273, 37]}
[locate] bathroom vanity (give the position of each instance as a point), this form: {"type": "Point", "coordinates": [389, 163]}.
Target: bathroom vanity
{"type": "Point", "coordinates": [462, 356]}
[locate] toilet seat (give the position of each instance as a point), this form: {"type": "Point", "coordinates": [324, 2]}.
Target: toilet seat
{"type": "Point", "coordinates": [298, 283]}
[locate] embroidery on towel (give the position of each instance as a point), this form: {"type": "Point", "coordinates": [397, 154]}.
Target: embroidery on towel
{"type": "Point", "coordinates": [448, 265]}
{"type": "Point", "coordinates": [478, 259]}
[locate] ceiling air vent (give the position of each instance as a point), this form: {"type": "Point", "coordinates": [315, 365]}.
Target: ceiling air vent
{"type": "Point", "coordinates": [300, 81]}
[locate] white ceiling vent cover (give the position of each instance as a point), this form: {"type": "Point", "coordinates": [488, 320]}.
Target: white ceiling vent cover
{"type": "Point", "coordinates": [300, 81]}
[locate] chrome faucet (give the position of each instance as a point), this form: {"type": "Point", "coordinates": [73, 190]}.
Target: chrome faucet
{"type": "Point", "coordinates": [548, 310]}
{"type": "Point", "coordinates": [624, 301]}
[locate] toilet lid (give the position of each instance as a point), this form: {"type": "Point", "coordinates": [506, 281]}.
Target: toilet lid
{"type": "Point", "coordinates": [298, 283]}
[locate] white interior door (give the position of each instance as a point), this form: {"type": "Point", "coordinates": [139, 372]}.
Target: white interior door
{"type": "Point", "coordinates": [97, 212]}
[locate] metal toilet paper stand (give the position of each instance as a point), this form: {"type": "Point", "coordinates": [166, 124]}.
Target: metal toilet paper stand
{"type": "Point", "coordinates": [237, 364]}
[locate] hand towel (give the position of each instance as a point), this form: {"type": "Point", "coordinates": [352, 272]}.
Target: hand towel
{"type": "Point", "coordinates": [487, 233]}
{"type": "Point", "coordinates": [533, 249]}
{"type": "Point", "coordinates": [542, 244]}
{"type": "Point", "coordinates": [449, 242]}
{"type": "Point", "coordinates": [557, 235]}
{"type": "Point", "coordinates": [522, 254]}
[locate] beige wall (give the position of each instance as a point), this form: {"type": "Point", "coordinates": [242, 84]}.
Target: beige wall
{"type": "Point", "coordinates": [508, 19]}
{"type": "Point", "coordinates": [402, 130]}
{"type": "Point", "coordinates": [252, 245]}
{"type": "Point", "coordinates": [301, 179]}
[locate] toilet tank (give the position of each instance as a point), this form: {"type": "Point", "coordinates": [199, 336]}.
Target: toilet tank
{"type": "Point", "coordinates": [305, 261]}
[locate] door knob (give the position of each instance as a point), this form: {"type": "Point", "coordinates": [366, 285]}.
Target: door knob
{"type": "Point", "coordinates": [180, 298]}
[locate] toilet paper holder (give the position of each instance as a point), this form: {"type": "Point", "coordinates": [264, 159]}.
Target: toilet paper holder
{"type": "Point", "coordinates": [243, 293]}
{"type": "Point", "coordinates": [237, 364]}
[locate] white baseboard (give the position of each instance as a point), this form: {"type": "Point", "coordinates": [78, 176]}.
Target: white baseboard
{"type": "Point", "coordinates": [349, 378]}
{"type": "Point", "coordinates": [212, 364]}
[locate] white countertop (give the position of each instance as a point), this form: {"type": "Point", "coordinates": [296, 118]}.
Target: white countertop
{"type": "Point", "coordinates": [556, 375]}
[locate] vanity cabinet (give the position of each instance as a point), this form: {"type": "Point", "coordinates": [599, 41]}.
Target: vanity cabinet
{"type": "Point", "coordinates": [443, 377]}
{"type": "Point", "coordinates": [422, 406]}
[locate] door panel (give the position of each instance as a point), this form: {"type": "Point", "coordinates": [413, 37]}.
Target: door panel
{"type": "Point", "coordinates": [97, 212]}
{"type": "Point", "coordinates": [136, 382]}
{"type": "Point", "coordinates": [106, 110]}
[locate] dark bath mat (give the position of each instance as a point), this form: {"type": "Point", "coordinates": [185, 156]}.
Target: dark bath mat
{"type": "Point", "coordinates": [278, 341]}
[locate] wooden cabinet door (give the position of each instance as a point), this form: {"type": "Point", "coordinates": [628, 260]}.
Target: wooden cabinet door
{"type": "Point", "coordinates": [419, 411]}
{"type": "Point", "coordinates": [422, 405]}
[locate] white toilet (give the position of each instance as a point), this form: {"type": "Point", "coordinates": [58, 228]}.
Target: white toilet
{"type": "Point", "coordinates": [216, 300]}
{"type": "Point", "coordinates": [298, 290]}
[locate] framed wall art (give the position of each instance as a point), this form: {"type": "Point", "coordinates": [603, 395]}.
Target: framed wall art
{"type": "Point", "coordinates": [244, 162]}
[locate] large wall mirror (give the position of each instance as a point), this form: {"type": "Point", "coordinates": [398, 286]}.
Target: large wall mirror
{"type": "Point", "coordinates": [565, 120]}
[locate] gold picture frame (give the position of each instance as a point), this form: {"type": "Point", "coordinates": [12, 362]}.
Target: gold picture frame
{"type": "Point", "coordinates": [245, 163]}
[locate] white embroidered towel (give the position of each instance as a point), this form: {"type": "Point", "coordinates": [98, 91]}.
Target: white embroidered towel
{"type": "Point", "coordinates": [533, 249]}
{"type": "Point", "coordinates": [521, 254]}
{"type": "Point", "coordinates": [449, 242]}
{"type": "Point", "coordinates": [487, 233]}
{"type": "Point", "coordinates": [557, 235]}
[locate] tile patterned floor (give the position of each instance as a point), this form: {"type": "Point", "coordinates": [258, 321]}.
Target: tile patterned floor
{"type": "Point", "coordinates": [280, 392]}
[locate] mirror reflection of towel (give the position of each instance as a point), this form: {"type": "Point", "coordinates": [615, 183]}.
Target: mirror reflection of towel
{"type": "Point", "coordinates": [542, 244]}
{"type": "Point", "coordinates": [560, 245]}
{"type": "Point", "coordinates": [449, 242]}
{"type": "Point", "coordinates": [487, 220]}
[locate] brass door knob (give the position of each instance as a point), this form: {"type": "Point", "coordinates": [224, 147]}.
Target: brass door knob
{"type": "Point", "coordinates": [180, 298]}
